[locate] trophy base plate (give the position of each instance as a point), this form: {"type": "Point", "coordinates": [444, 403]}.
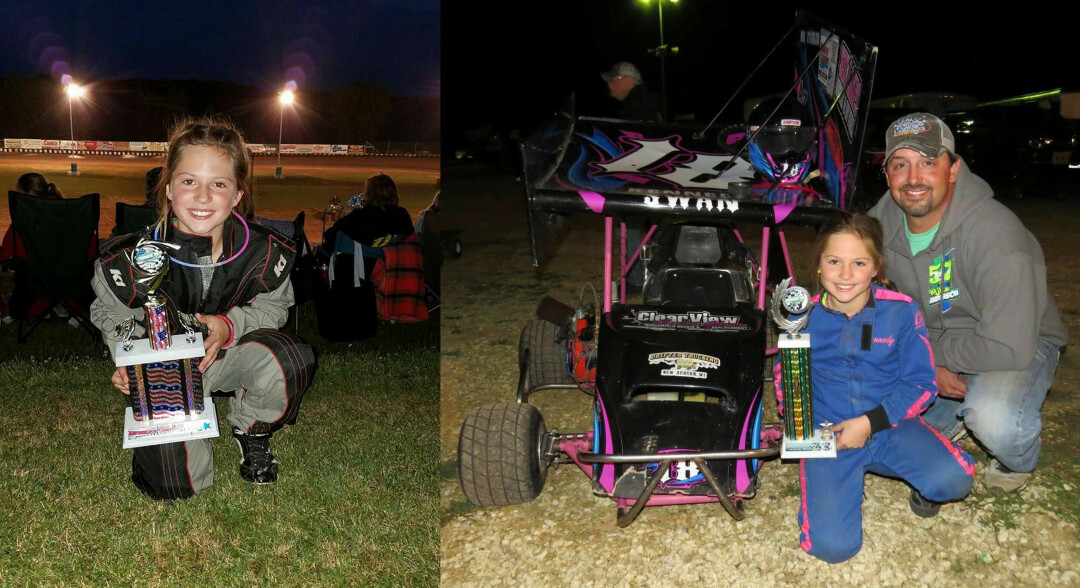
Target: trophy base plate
{"type": "Point", "coordinates": [821, 444]}
{"type": "Point", "coordinates": [201, 426]}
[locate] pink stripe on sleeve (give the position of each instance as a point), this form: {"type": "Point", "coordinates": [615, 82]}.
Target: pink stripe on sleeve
{"type": "Point", "coordinates": [919, 406]}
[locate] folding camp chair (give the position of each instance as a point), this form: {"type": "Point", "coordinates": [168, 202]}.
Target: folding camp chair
{"type": "Point", "coordinates": [401, 292]}
{"type": "Point", "coordinates": [131, 218]}
{"type": "Point", "coordinates": [61, 239]}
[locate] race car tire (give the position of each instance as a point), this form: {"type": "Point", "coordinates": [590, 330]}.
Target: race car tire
{"type": "Point", "coordinates": [500, 459]}
{"type": "Point", "coordinates": [547, 358]}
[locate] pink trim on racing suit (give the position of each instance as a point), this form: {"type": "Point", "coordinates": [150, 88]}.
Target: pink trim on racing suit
{"type": "Point", "coordinates": [805, 543]}
{"type": "Point", "coordinates": [957, 453]}
{"type": "Point", "coordinates": [883, 294]}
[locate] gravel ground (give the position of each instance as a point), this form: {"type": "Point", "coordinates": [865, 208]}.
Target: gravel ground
{"type": "Point", "coordinates": [568, 536]}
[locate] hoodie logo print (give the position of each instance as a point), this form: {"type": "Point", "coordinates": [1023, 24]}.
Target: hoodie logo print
{"type": "Point", "coordinates": [940, 287]}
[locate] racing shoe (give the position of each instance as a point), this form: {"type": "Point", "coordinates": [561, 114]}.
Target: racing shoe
{"type": "Point", "coordinates": [257, 464]}
{"type": "Point", "coordinates": [1001, 479]}
{"type": "Point", "coordinates": [923, 506]}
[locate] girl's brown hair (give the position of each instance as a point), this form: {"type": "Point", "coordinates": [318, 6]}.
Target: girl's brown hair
{"type": "Point", "coordinates": [868, 230]}
{"type": "Point", "coordinates": [221, 134]}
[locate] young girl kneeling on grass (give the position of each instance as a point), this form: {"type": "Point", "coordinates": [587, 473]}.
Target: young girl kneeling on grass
{"type": "Point", "coordinates": [229, 279]}
{"type": "Point", "coordinates": [873, 374]}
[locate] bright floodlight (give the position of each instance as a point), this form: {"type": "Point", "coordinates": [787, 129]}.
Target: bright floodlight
{"type": "Point", "coordinates": [75, 90]}
{"type": "Point", "coordinates": [286, 97]}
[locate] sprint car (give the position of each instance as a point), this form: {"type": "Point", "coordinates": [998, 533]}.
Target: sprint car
{"type": "Point", "coordinates": [677, 376]}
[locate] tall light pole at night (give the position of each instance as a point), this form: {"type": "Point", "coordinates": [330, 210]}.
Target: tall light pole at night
{"type": "Point", "coordinates": [284, 98]}
{"type": "Point", "coordinates": [662, 52]}
{"type": "Point", "coordinates": [73, 91]}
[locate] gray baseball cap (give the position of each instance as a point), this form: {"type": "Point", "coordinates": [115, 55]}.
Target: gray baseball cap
{"type": "Point", "coordinates": [922, 132]}
{"type": "Point", "coordinates": [623, 68]}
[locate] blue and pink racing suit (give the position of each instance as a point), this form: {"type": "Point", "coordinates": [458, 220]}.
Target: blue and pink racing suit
{"type": "Point", "coordinates": [878, 363]}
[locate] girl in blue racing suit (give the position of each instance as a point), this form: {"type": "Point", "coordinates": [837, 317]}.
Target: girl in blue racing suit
{"type": "Point", "coordinates": [873, 375]}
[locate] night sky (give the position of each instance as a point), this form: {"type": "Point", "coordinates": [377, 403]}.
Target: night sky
{"type": "Point", "coordinates": [515, 74]}
{"type": "Point", "coordinates": [320, 44]}
{"type": "Point", "coordinates": [510, 64]}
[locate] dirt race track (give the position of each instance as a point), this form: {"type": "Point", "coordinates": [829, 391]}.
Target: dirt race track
{"type": "Point", "coordinates": [310, 182]}
{"type": "Point", "coordinates": [568, 536]}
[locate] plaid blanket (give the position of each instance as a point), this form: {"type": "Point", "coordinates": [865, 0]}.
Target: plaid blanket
{"type": "Point", "coordinates": [400, 294]}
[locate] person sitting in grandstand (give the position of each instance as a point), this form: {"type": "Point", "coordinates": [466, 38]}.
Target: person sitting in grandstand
{"type": "Point", "coordinates": [376, 220]}
{"type": "Point", "coordinates": [34, 184]}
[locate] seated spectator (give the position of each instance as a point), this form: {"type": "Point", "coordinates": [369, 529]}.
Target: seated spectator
{"type": "Point", "coordinates": [378, 218]}
{"type": "Point", "coordinates": [432, 209]}
{"type": "Point", "coordinates": [33, 184]}
{"type": "Point", "coordinates": [429, 227]}
{"type": "Point", "coordinates": [36, 185]}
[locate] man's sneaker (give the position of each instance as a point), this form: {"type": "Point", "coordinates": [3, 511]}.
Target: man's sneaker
{"type": "Point", "coordinates": [1001, 479]}
{"type": "Point", "coordinates": [257, 464]}
{"type": "Point", "coordinates": [922, 506]}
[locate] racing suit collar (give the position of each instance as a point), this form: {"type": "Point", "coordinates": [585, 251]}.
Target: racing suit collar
{"type": "Point", "coordinates": [200, 245]}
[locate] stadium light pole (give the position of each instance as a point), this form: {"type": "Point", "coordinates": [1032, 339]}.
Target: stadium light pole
{"type": "Point", "coordinates": [73, 91]}
{"type": "Point", "coordinates": [662, 52]}
{"type": "Point", "coordinates": [284, 98]}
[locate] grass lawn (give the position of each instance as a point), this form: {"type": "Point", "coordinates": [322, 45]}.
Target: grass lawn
{"type": "Point", "coordinates": [356, 502]}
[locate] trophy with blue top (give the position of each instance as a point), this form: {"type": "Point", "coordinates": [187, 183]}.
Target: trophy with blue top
{"type": "Point", "coordinates": [801, 439]}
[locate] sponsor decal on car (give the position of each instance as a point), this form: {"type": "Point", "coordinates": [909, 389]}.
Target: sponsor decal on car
{"type": "Point", "coordinates": [692, 320]}
{"type": "Point", "coordinates": [684, 364]}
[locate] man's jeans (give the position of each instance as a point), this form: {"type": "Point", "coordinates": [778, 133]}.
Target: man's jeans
{"type": "Point", "coordinates": [1001, 409]}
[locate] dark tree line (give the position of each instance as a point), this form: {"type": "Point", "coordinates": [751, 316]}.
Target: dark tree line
{"type": "Point", "coordinates": [142, 110]}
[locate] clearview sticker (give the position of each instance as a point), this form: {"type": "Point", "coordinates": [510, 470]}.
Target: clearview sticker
{"type": "Point", "coordinates": [696, 320]}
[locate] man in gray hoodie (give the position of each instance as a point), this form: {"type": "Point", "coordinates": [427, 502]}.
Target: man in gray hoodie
{"type": "Point", "coordinates": [980, 278]}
